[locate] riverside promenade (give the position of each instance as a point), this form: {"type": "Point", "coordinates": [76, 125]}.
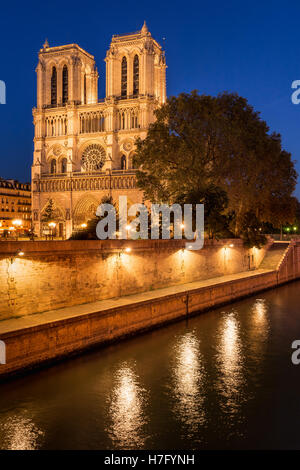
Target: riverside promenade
{"type": "Point", "coordinates": [41, 338]}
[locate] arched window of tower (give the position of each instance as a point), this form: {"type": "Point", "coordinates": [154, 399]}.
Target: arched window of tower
{"type": "Point", "coordinates": [123, 162]}
{"type": "Point", "coordinates": [54, 87]}
{"type": "Point", "coordinates": [64, 165]}
{"type": "Point", "coordinates": [65, 85]}
{"type": "Point", "coordinates": [84, 89]}
{"type": "Point", "coordinates": [124, 78]}
{"type": "Point", "coordinates": [136, 67]}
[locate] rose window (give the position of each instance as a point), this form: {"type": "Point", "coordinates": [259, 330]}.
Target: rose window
{"type": "Point", "coordinates": [93, 158]}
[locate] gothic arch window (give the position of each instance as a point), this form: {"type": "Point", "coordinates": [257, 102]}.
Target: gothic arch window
{"type": "Point", "coordinates": [64, 165]}
{"type": "Point", "coordinates": [54, 86]}
{"type": "Point", "coordinates": [136, 75]}
{"type": "Point", "coordinates": [123, 162]}
{"type": "Point", "coordinates": [124, 77]}
{"type": "Point", "coordinates": [53, 166]}
{"type": "Point", "coordinates": [65, 85]}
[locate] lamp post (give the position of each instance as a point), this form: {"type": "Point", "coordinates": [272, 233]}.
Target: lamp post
{"type": "Point", "coordinates": [17, 223]}
{"type": "Point", "coordinates": [52, 226]}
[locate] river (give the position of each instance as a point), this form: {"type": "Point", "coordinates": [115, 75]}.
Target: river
{"type": "Point", "coordinates": [221, 380]}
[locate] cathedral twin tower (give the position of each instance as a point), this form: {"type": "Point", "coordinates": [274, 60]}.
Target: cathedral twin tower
{"type": "Point", "coordinates": [83, 146]}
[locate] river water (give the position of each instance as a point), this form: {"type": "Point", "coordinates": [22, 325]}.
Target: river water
{"type": "Point", "coordinates": [221, 380]}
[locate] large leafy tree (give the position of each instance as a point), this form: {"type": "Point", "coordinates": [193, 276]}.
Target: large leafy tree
{"type": "Point", "coordinates": [198, 142]}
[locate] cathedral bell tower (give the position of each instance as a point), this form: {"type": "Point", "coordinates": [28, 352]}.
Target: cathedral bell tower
{"type": "Point", "coordinates": [66, 74]}
{"type": "Point", "coordinates": [135, 66]}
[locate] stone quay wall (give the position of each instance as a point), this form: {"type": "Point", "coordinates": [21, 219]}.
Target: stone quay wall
{"type": "Point", "coordinates": [33, 340]}
{"type": "Point", "coordinates": [57, 274]}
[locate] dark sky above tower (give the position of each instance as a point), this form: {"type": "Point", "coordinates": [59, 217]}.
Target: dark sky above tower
{"type": "Point", "coordinates": [250, 47]}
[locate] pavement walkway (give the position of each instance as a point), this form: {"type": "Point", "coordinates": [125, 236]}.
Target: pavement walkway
{"type": "Point", "coordinates": [29, 321]}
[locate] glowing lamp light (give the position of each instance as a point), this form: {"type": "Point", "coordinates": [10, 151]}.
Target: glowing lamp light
{"type": "Point", "coordinates": [182, 226]}
{"type": "Point", "coordinates": [295, 228]}
{"type": "Point", "coordinates": [17, 222]}
{"type": "Point", "coordinates": [127, 249]}
{"type": "Point", "coordinates": [128, 227]}
{"type": "Point", "coordinates": [231, 245]}
{"type": "Point", "coordinates": [52, 224]}
{"type": "Point", "coordinates": [18, 253]}
{"type": "Point", "coordinates": [288, 229]}
{"type": "Point", "coordinates": [83, 225]}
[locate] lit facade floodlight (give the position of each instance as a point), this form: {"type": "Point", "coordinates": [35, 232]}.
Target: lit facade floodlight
{"type": "Point", "coordinates": [127, 249]}
{"type": "Point", "coordinates": [231, 245]}
{"type": "Point", "coordinates": [83, 225]}
{"type": "Point", "coordinates": [17, 222]}
{"type": "Point", "coordinates": [52, 224]}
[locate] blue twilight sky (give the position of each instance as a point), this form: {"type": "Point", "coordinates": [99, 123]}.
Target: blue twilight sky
{"type": "Point", "coordinates": [250, 47]}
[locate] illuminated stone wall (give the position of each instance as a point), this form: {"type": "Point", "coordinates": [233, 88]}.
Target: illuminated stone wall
{"type": "Point", "coordinates": [52, 275]}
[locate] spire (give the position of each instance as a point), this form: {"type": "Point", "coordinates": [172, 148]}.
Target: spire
{"type": "Point", "coordinates": [46, 44]}
{"type": "Point", "coordinates": [144, 29]}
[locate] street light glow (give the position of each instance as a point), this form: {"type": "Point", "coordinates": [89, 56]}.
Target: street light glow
{"type": "Point", "coordinates": [17, 222]}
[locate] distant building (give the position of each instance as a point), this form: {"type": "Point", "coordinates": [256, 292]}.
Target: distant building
{"type": "Point", "coordinates": [15, 205]}
{"type": "Point", "coordinates": [83, 147]}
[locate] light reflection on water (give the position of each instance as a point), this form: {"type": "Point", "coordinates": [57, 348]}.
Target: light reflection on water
{"type": "Point", "coordinates": [126, 410]}
{"type": "Point", "coordinates": [223, 379]}
{"type": "Point", "coordinates": [259, 317]}
{"type": "Point", "coordinates": [20, 433]}
{"type": "Point", "coordinates": [188, 383]}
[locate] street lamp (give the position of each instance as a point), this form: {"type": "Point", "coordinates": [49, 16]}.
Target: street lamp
{"type": "Point", "coordinates": [83, 225]}
{"type": "Point", "coordinates": [17, 224]}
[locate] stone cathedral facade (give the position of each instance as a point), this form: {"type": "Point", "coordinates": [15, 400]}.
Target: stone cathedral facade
{"type": "Point", "coordinates": [83, 146]}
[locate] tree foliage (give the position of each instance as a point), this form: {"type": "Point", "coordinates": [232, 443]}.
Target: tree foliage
{"type": "Point", "coordinates": [49, 212]}
{"type": "Point", "coordinates": [201, 142]}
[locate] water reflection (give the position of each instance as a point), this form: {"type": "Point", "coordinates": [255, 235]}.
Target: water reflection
{"type": "Point", "coordinates": [230, 364]}
{"type": "Point", "coordinates": [126, 410]}
{"type": "Point", "coordinates": [259, 317]}
{"type": "Point", "coordinates": [20, 433]}
{"type": "Point", "coordinates": [189, 378]}
{"type": "Point", "coordinates": [258, 332]}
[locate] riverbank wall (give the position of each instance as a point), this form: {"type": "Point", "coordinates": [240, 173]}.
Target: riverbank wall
{"type": "Point", "coordinates": [53, 275]}
{"type": "Point", "coordinates": [40, 338]}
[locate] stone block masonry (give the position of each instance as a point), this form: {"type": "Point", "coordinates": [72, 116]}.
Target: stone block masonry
{"type": "Point", "coordinates": [59, 274]}
{"type": "Point", "coordinates": [35, 339]}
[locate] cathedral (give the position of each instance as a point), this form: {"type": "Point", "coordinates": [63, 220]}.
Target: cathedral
{"type": "Point", "coordinates": [84, 146]}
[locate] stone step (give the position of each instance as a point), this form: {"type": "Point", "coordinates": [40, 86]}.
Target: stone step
{"type": "Point", "coordinates": [274, 255]}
